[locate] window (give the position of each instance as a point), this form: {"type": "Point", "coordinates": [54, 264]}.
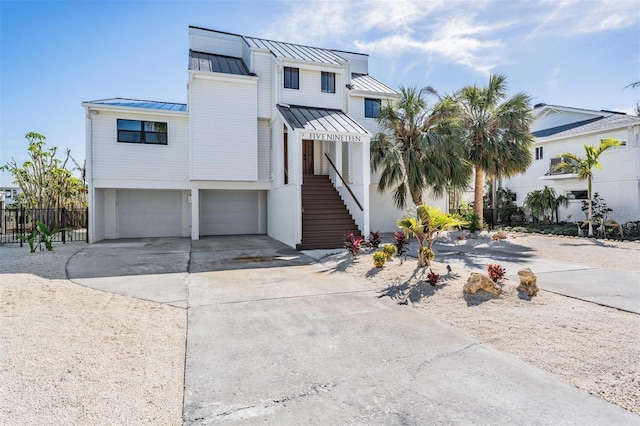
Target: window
{"type": "Point", "coordinates": [136, 131]}
{"type": "Point", "coordinates": [372, 108]}
{"type": "Point", "coordinates": [539, 153]}
{"type": "Point", "coordinates": [291, 78]}
{"type": "Point", "coordinates": [328, 80]}
{"type": "Point", "coordinates": [577, 195]}
{"type": "Point", "coordinates": [555, 162]}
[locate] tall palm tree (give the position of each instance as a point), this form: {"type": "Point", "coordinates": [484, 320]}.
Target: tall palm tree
{"type": "Point", "coordinates": [416, 149]}
{"type": "Point", "coordinates": [496, 130]}
{"type": "Point", "coordinates": [583, 166]}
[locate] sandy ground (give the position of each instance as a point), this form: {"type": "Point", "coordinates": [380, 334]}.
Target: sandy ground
{"type": "Point", "coordinates": [592, 347]}
{"type": "Point", "coordinates": [72, 355]}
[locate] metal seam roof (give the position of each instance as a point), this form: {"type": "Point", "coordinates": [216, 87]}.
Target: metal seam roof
{"type": "Point", "coordinates": [321, 119]}
{"type": "Point", "coordinates": [296, 51]}
{"type": "Point", "coordinates": [366, 83]}
{"type": "Point", "coordinates": [137, 103]}
{"type": "Point", "coordinates": [209, 62]}
{"type": "Point", "coordinates": [586, 126]}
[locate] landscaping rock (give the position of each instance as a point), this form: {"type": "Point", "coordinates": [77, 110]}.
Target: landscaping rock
{"type": "Point", "coordinates": [478, 281]}
{"type": "Point", "coordinates": [528, 282]}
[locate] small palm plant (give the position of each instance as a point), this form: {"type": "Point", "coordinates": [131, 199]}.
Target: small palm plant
{"type": "Point", "coordinates": [425, 226]}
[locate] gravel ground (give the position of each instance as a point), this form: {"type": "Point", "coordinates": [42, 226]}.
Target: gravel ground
{"type": "Point", "coordinates": [73, 355]}
{"type": "Point", "coordinates": [592, 347]}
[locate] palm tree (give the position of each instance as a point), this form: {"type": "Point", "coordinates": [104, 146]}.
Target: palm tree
{"type": "Point", "coordinates": [583, 166]}
{"type": "Point", "coordinates": [417, 149]}
{"type": "Point", "coordinates": [545, 202]}
{"type": "Point", "coordinates": [496, 129]}
{"type": "Point", "coordinates": [425, 225]}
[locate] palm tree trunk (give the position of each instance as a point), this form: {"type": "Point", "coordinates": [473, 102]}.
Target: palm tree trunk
{"type": "Point", "coordinates": [590, 212]}
{"type": "Point", "coordinates": [477, 196]}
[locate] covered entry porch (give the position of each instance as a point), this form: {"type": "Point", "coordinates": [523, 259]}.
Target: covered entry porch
{"type": "Point", "coordinates": [324, 171]}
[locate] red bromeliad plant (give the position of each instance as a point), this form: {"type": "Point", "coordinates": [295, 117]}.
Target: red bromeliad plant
{"type": "Point", "coordinates": [353, 244]}
{"type": "Point", "coordinates": [433, 278]}
{"type": "Point", "coordinates": [496, 272]}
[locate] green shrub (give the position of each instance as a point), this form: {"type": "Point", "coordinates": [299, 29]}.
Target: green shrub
{"type": "Point", "coordinates": [390, 250]}
{"type": "Point", "coordinates": [379, 259]}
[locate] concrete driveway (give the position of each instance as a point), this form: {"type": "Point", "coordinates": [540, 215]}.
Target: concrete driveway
{"type": "Point", "coordinates": [273, 338]}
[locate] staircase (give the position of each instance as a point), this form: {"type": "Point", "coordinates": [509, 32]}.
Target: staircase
{"type": "Point", "coordinates": [325, 219]}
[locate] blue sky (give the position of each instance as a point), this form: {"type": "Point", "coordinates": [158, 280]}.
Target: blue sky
{"type": "Point", "coordinates": [56, 54]}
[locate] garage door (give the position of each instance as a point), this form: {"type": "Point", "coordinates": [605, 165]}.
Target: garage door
{"type": "Point", "coordinates": [232, 212]}
{"type": "Point", "coordinates": [149, 213]}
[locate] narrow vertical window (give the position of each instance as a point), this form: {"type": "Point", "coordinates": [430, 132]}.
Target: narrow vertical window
{"type": "Point", "coordinates": [291, 78]}
{"type": "Point", "coordinates": [286, 158]}
{"type": "Point", "coordinates": [328, 82]}
{"type": "Point", "coordinates": [539, 153]}
{"type": "Point", "coordinates": [372, 108]}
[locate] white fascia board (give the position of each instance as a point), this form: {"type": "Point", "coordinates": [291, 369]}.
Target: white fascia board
{"type": "Point", "coordinates": [313, 66]}
{"type": "Point", "coordinates": [144, 111]}
{"type": "Point", "coordinates": [363, 94]}
{"type": "Point", "coordinates": [141, 184]}
{"type": "Point", "coordinates": [231, 78]}
{"type": "Point", "coordinates": [260, 185]}
{"type": "Point", "coordinates": [551, 139]}
{"type": "Point", "coordinates": [557, 108]}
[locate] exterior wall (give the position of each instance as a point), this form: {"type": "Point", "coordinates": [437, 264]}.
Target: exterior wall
{"type": "Point", "coordinates": [310, 93]}
{"type": "Point", "coordinates": [214, 42]}
{"type": "Point", "coordinates": [263, 67]}
{"type": "Point", "coordinates": [223, 125]}
{"type": "Point", "coordinates": [264, 150]}
{"type": "Point", "coordinates": [283, 214]}
{"type": "Point", "coordinates": [128, 162]}
{"type": "Point", "coordinates": [359, 62]}
{"type": "Point", "coordinates": [356, 111]}
{"type": "Point", "coordinates": [384, 214]}
{"type": "Point", "coordinates": [98, 217]}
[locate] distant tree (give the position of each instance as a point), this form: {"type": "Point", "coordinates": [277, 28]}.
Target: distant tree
{"type": "Point", "coordinates": [417, 149]}
{"type": "Point", "coordinates": [583, 166]}
{"type": "Point", "coordinates": [496, 130]}
{"type": "Point", "coordinates": [45, 181]}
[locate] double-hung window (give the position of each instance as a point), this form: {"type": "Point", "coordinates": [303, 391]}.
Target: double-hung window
{"type": "Point", "coordinates": [291, 78]}
{"type": "Point", "coordinates": [137, 131]}
{"type": "Point", "coordinates": [328, 82]}
{"type": "Point", "coordinates": [372, 107]}
{"type": "Point", "coordinates": [539, 153]}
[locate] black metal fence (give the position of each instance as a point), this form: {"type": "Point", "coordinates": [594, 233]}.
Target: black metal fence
{"type": "Point", "coordinates": [73, 224]}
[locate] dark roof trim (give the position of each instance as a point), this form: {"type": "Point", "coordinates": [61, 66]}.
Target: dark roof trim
{"type": "Point", "coordinates": [319, 119]}
{"type": "Point", "coordinates": [210, 62]}
{"type": "Point", "coordinates": [555, 130]}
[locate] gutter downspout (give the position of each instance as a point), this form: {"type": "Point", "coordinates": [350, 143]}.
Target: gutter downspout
{"type": "Point", "coordinates": [89, 175]}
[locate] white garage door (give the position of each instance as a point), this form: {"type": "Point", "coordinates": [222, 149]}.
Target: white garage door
{"type": "Point", "coordinates": [232, 212]}
{"type": "Point", "coordinates": [149, 213]}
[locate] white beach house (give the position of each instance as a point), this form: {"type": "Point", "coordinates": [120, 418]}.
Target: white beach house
{"type": "Point", "coordinates": [559, 129]}
{"type": "Point", "coordinates": [274, 139]}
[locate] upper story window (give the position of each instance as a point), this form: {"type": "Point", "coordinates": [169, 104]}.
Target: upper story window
{"type": "Point", "coordinates": [291, 78]}
{"type": "Point", "coordinates": [539, 153]}
{"type": "Point", "coordinates": [372, 107]}
{"type": "Point", "coordinates": [328, 82]}
{"type": "Point", "coordinates": [137, 131]}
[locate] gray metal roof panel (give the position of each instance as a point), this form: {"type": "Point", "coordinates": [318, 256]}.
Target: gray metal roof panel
{"type": "Point", "coordinates": [366, 83]}
{"type": "Point", "coordinates": [321, 119]}
{"type": "Point", "coordinates": [296, 51]}
{"type": "Point", "coordinates": [137, 103]}
{"type": "Point", "coordinates": [208, 62]}
{"type": "Point", "coordinates": [588, 126]}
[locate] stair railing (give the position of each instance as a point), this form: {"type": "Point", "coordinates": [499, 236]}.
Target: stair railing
{"type": "Point", "coordinates": [344, 182]}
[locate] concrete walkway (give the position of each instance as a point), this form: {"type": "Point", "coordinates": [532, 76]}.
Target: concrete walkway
{"type": "Point", "coordinates": [273, 338]}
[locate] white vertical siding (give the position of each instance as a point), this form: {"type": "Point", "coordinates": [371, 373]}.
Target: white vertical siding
{"type": "Point", "coordinates": [111, 159]}
{"type": "Point", "coordinates": [264, 148]}
{"type": "Point", "coordinates": [262, 66]}
{"type": "Point", "coordinates": [213, 42]}
{"type": "Point", "coordinates": [224, 134]}
{"type": "Point", "coordinates": [310, 93]}
{"type": "Point", "coordinates": [359, 63]}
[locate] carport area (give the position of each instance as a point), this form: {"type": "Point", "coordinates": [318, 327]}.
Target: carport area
{"type": "Point", "coordinates": [275, 338]}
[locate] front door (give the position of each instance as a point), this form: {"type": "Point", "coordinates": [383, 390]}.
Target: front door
{"type": "Point", "coordinates": [307, 157]}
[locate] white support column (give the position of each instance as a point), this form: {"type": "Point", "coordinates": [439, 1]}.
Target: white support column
{"type": "Point", "coordinates": [195, 213]}
{"type": "Point", "coordinates": [338, 161]}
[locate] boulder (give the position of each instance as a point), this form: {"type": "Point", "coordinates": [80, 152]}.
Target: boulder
{"type": "Point", "coordinates": [478, 281]}
{"type": "Point", "coordinates": [528, 282]}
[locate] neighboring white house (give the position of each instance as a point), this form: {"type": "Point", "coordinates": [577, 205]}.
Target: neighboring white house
{"type": "Point", "coordinates": [260, 116]}
{"type": "Point", "coordinates": [561, 129]}
{"type": "Point", "coordinates": [8, 190]}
